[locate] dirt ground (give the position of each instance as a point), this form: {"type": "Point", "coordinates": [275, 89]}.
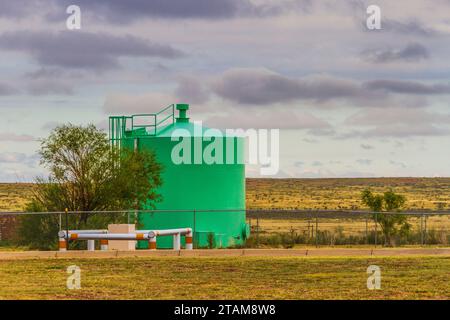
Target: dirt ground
{"type": "Point", "coordinates": [314, 252]}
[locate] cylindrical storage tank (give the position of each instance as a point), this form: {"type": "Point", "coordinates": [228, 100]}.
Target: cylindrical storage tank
{"type": "Point", "coordinates": [204, 173]}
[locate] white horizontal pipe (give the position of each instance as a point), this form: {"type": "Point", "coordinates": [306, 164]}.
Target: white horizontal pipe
{"type": "Point", "coordinates": [62, 233]}
{"type": "Point", "coordinates": [167, 232]}
{"type": "Point", "coordinates": [150, 235]}
{"type": "Point", "coordinates": [109, 236]}
{"type": "Point", "coordinates": [89, 231]}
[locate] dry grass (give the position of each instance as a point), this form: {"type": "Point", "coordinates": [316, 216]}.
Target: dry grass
{"type": "Point", "coordinates": [422, 193]}
{"type": "Point", "coordinates": [227, 278]}
{"type": "Point", "coordinates": [348, 226]}
{"type": "Point", "coordinates": [14, 196]}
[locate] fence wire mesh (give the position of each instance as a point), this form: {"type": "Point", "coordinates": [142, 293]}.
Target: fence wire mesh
{"type": "Point", "coordinates": [268, 228]}
{"type": "Point", "coordinates": [331, 228]}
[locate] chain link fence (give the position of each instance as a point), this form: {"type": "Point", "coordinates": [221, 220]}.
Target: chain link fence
{"type": "Point", "coordinates": [289, 228]}
{"type": "Point", "coordinates": [268, 228]}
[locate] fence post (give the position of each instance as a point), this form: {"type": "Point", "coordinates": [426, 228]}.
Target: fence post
{"type": "Point", "coordinates": [425, 230]}
{"type": "Point", "coordinates": [194, 244]}
{"type": "Point", "coordinates": [421, 230]}
{"type": "Point", "coordinates": [376, 229]}
{"type": "Point", "coordinates": [367, 229]}
{"type": "Point", "coordinates": [67, 227]}
{"type": "Point", "coordinates": [309, 229]}
{"type": "Point", "coordinates": [257, 232]}
{"type": "Point", "coordinates": [317, 229]}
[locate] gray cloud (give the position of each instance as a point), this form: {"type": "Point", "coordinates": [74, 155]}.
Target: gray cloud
{"type": "Point", "coordinates": [398, 164]}
{"type": "Point", "coordinates": [5, 136]}
{"type": "Point", "coordinates": [377, 116]}
{"type": "Point", "coordinates": [310, 140]}
{"type": "Point", "coordinates": [51, 125]}
{"type": "Point", "coordinates": [397, 122]}
{"type": "Point", "coordinates": [399, 144]}
{"type": "Point", "coordinates": [12, 157]}
{"type": "Point", "coordinates": [281, 119]}
{"type": "Point", "coordinates": [18, 8]}
{"type": "Point", "coordinates": [44, 81]}
{"type": "Point", "coordinates": [364, 162]}
{"type": "Point", "coordinates": [404, 130]}
{"type": "Point", "coordinates": [263, 87]}
{"type": "Point", "coordinates": [126, 11]}
{"type": "Point", "coordinates": [411, 27]}
{"type": "Point", "coordinates": [407, 87]}
{"type": "Point", "coordinates": [191, 90]}
{"type": "Point", "coordinates": [51, 81]}
{"type": "Point", "coordinates": [44, 73]}
{"type": "Point", "coordinates": [260, 86]}
{"type": "Point", "coordinates": [413, 52]}
{"type": "Point", "coordinates": [396, 130]}
{"type": "Point", "coordinates": [367, 146]}
{"type": "Point", "coordinates": [125, 103]}
{"type": "Point", "coordinates": [82, 50]}
{"type": "Point", "coordinates": [119, 11]}
{"type": "Point", "coordinates": [6, 89]}
{"type": "Point", "coordinates": [39, 87]}
{"type": "Point", "coordinates": [320, 132]}
{"type": "Point", "coordinates": [18, 158]}
{"type": "Point", "coordinates": [299, 164]}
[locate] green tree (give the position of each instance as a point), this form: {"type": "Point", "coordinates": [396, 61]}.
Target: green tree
{"type": "Point", "coordinates": [391, 224]}
{"type": "Point", "coordinates": [87, 174]}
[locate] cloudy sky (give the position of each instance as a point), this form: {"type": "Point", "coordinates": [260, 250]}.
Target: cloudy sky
{"type": "Point", "coordinates": [350, 102]}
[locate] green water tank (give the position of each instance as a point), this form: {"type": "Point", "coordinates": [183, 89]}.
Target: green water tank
{"type": "Point", "coordinates": [205, 187]}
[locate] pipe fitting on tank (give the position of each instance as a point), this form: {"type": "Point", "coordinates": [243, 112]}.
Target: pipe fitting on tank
{"type": "Point", "coordinates": [182, 108]}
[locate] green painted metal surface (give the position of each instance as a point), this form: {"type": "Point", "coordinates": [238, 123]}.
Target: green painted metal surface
{"type": "Point", "coordinates": [193, 187]}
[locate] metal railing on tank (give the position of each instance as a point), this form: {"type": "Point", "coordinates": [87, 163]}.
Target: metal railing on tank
{"type": "Point", "coordinates": [138, 125]}
{"type": "Point", "coordinates": [117, 129]}
{"type": "Point", "coordinates": [138, 121]}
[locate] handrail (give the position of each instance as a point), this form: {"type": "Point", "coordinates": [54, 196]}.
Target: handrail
{"type": "Point", "coordinates": [161, 111]}
{"type": "Point", "coordinates": [117, 124]}
{"type": "Point", "coordinates": [169, 116]}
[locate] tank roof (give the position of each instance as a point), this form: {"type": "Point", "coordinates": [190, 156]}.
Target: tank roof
{"type": "Point", "coordinates": [192, 129]}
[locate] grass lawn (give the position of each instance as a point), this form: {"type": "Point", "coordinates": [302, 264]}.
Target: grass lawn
{"type": "Point", "coordinates": [227, 278]}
